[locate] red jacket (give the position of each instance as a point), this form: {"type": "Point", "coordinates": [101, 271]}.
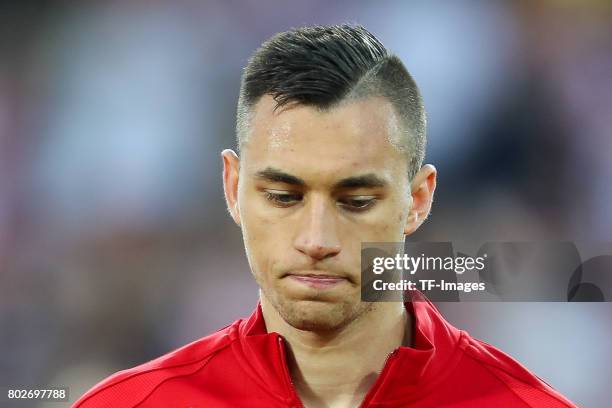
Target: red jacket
{"type": "Point", "coordinates": [242, 365]}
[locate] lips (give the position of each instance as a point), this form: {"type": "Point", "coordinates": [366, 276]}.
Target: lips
{"type": "Point", "coordinates": [317, 280]}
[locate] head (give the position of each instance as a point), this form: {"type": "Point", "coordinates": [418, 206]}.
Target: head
{"type": "Point", "coordinates": [331, 138]}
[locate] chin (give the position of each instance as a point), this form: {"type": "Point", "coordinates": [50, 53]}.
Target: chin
{"type": "Point", "coordinates": [318, 316]}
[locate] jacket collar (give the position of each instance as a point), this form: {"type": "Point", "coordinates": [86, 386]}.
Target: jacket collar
{"type": "Point", "coordinates": [417, 370]}
{"type": "Point", "coordinates": [409, 373]}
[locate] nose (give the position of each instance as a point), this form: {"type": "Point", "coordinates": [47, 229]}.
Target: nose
{"type": "Point", "coordinates": [317, 234]}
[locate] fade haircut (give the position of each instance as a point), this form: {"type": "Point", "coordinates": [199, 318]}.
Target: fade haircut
{"type": "Point", "coordinates": [322, 66]}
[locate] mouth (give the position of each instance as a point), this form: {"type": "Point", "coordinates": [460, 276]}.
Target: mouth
{"type": "Point", "coordinates": [317, 280]}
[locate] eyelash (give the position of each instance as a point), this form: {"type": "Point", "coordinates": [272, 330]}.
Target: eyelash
{"type": "Point", "coordinates": [276, 199]}
{"type": "Point", "coordinates": [365, 204]}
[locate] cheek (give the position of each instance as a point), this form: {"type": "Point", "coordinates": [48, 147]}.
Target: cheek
{"type": "Point", "coordinates": [258, 253]}
{"type": "Point", "coordinates": [265, 237]}
{"type": "Point", "coordinates": [388, 230]}
{"type": "Point", "coordinates": [265, 229]}
{"type": "Point", "coordinates": [386, 224]}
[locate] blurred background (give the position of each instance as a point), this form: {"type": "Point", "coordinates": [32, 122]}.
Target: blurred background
{"type": "Point", "coordinates": [115, 245]}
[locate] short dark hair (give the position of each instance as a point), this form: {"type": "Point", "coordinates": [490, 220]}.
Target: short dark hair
{"type": "Point", "coordinates": [322, 66]}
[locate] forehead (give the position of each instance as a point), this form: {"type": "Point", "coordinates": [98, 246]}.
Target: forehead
{"type": "Point", "coordinates": [353, 137]}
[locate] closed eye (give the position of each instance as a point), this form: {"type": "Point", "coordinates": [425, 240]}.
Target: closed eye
{"type": "Point", "coordinates": [282, 198]}
{"type": "Point", "coordinates": [357, 203]}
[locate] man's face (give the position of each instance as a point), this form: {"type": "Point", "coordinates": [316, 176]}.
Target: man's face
{"type": "Point", "coordinates": [311, 187]}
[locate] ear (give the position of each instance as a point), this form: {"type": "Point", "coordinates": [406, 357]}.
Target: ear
{"type": "Point", "coordinates": [422, 191]}
{"type": "Point", "coordinates": [231, 170]}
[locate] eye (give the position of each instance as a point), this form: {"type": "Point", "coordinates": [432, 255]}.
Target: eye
{"type": "Point", "coordinates": [357, 203]}
{"type": "Point", "coordinates": [282, 198]}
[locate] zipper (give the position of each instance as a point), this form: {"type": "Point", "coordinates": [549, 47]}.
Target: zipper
{"type": "Point", "coordinates": [379, 380]}
{"type": "Point", "coordinates": [288, 380]}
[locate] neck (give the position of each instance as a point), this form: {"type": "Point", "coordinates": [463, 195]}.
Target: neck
{"type": "Point", "coordinates": [338, 368]}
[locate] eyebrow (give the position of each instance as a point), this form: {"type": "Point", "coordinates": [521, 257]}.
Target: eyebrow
{"type": "Point", "coordinates": [369, 180]}
{"type": "Point", "coordinates": [279, 176]}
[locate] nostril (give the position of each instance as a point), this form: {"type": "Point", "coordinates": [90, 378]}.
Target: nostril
{"type": "Point", "coordinates": [318, 251]}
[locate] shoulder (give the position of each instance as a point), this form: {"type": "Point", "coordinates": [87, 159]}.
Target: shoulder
{"type": "Point", "coordinates": [520, 381]}
{"type": "Point", "coordinates": [128, 387]}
